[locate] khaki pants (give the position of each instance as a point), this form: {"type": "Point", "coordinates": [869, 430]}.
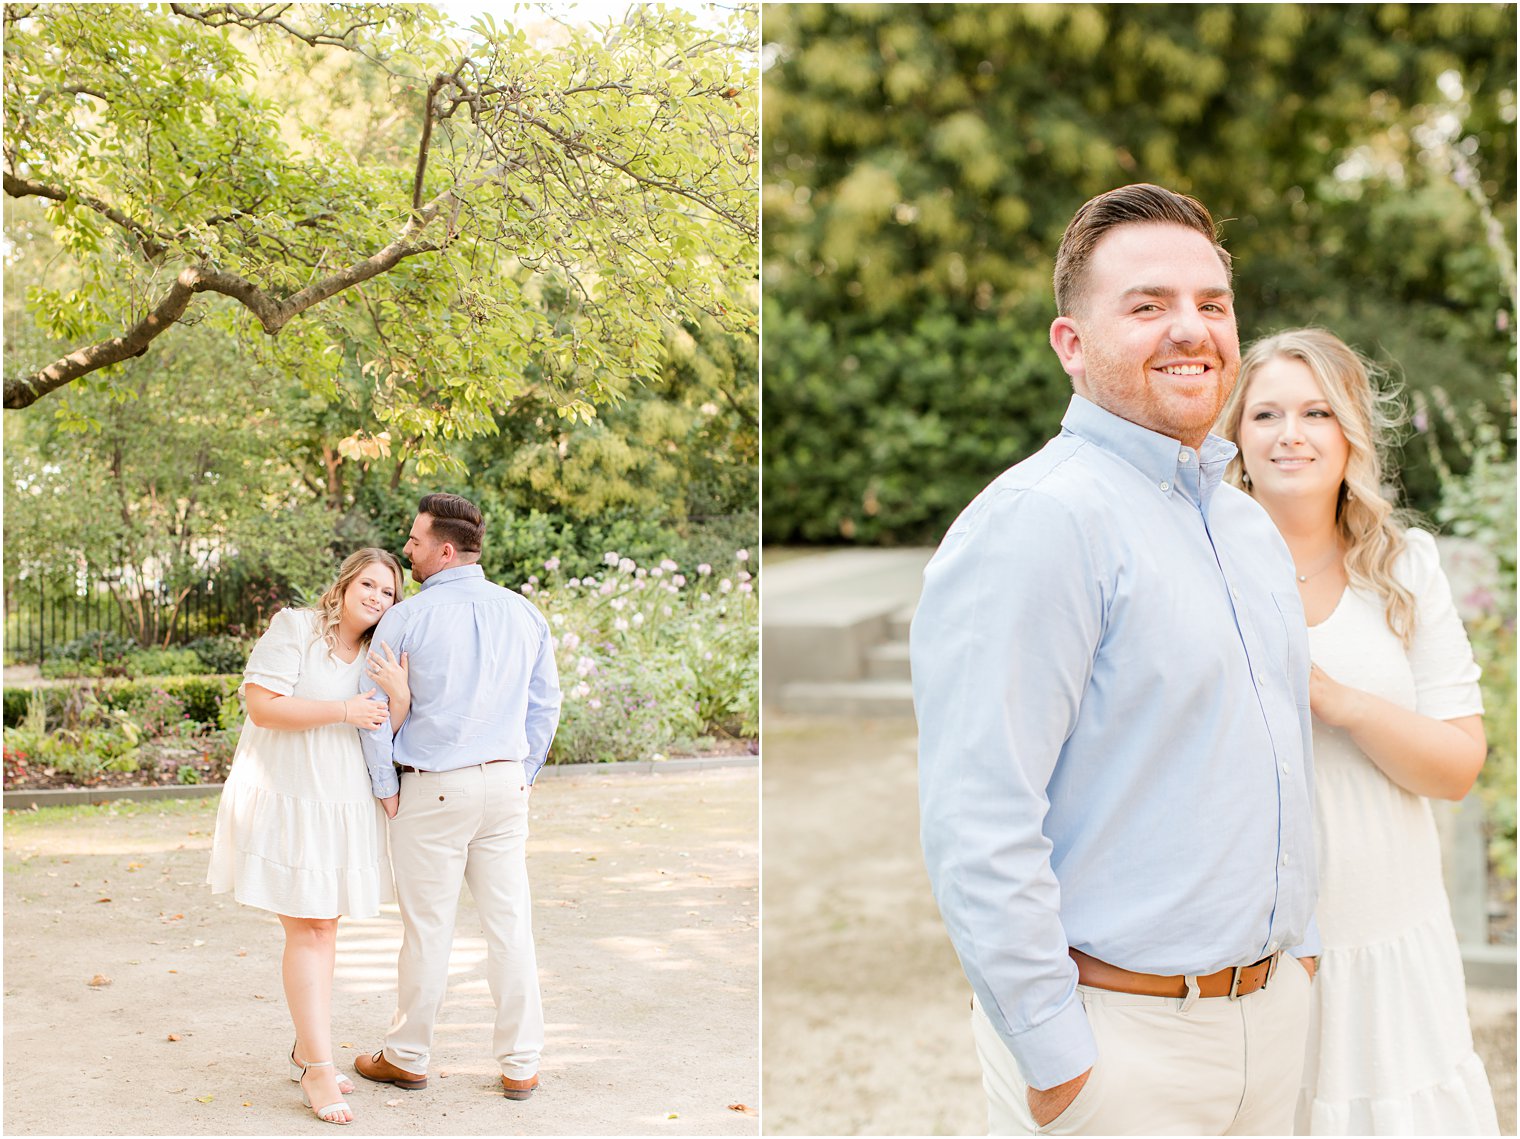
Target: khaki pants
{"type": "Point", "coordinates": [1167, 1066]}
{"type": "Point", "coordinates": [469, 825]}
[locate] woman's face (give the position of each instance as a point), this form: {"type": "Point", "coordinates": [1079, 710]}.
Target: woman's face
{"type": "Point", "coordinates": [369, 595]}
{"type": "Point", "coordinates": [1290, 441]}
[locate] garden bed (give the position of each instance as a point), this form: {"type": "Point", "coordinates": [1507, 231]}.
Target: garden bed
{"type": "Point", "coordinates": [171, 767]}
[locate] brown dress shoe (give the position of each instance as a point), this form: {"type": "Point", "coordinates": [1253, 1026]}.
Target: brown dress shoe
{"type": "Point", "coordinates": [382, 1071]}
{"type": "Point", "coordinates": [518, 1089]}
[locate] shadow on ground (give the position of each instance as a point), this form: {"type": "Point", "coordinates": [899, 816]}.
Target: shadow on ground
{"type": "Point", "coordinates": [646, 915]}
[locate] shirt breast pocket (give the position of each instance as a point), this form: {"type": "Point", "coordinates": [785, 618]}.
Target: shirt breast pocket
{"type": "Point", "coordinates": [1290, 611]}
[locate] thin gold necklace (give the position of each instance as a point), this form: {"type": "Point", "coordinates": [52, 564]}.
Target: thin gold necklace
{"type": "Point", "coordinates": [1329, 561]}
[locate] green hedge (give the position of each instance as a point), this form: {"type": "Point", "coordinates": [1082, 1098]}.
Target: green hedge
{"type": "Point", "coordinates": [201, 695]}
{"type": "Point", "coordinates": [882, 435]}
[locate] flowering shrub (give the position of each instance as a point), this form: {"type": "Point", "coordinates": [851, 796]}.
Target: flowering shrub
{"type": "Point", "coordinates": [1480, 504]}
{"type": "Point", "coordinates": [651, 657]}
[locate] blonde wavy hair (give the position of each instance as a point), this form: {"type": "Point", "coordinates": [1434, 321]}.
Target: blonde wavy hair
{"type": "Point", "coordinates": [1369, 412]}
{"type": "Point", "coordinates": [329, 607]}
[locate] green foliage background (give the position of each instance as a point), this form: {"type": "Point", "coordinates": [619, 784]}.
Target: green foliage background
{"type": "Point", "coordinates": [585, 370]}
{"type": "Point", "coordinates": [921, 161]}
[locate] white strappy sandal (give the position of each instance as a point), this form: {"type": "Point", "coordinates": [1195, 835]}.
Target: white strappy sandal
{"type": "Point", "coordinates": [326, 1113]}
{"type": "Point", "coordinates": [345, 1085]}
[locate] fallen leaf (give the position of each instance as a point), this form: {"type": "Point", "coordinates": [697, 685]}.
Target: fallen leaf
{"type": "Point", "coordinates": [134, 866]}
{"type": "Point", "coordinates": [197, 943]}
{"type": "Point", "coordinates": [204, 1098]}
{"type": "Point", "coordinates": [99, 981]}
{"type": "Point", "coordinates": [173, 1036]}
{"type": "Point", "coordinates": [393, 1103]}
{"type": "Point", "coordinates": [672, 1115]}
{"type": "Point", "coordinates": [99, 900]}
{"type": "Point", "coordinates": [174, 970]}
{"type": "Point", "coordinates": [742, 1108]}
{"type": "Point", "coordinates": [248, 1103]}
{"type": "Point", "coordinates": [242, 953]}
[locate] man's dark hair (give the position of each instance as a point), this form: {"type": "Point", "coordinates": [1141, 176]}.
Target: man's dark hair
{"type": "Point", "coordinates": [455, 519]}
{"type": "Point", "coordinates": [1140, 204]}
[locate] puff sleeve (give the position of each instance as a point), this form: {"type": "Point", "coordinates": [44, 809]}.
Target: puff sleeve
{"type": "Point", "coordinates": [1440, 657]}
{"type": "Point", "coordinates": [275, 662]}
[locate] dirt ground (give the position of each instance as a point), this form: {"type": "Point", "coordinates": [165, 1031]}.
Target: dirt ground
{"type": "Point", "coordinates": [866, 1029]}
{"type": "Point", "coordinates": [646, 917]}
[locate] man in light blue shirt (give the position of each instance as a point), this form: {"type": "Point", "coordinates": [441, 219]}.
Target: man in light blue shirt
{"type": "Point", "coordinates": [1110, 671]}
{"type": "Point", "coordinates": [484, 705]}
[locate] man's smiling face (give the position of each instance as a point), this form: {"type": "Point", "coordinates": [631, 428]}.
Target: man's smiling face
{"type": "Point", "coordinates": [1153, 339]}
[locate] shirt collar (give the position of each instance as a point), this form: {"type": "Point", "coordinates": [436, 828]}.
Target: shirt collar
{"type": "Point", "coordinates": [1164, 461]}
{"type": "Point", "coordinates": [454, 573]}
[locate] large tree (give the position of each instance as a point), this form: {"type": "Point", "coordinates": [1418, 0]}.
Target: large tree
{"type": "Point", "coordinates": [558, 210]}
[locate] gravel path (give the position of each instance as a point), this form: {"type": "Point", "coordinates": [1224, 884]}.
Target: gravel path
{"type": "Point", "coordinates": [646, 915]}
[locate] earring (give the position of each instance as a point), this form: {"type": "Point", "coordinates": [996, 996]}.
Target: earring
{"type": "Point", "coordinates": [1350, 497]}
{"type": "Point", "coordinates": [1245, 479]}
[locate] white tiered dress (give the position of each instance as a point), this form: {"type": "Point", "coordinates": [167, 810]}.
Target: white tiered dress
{"type": "Point", "coordinates": [1390, 1049]}
{"type": "Point", "coordinates": [299, 831]}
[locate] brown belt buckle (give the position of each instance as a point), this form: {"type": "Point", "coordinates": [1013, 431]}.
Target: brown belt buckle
{"type": "Point", "coordinates": [1271, 961]}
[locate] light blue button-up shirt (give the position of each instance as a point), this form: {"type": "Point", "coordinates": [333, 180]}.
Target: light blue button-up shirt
{"type": "Point", "coordinates": [1111, 675]}
{"type": "Point", "coordinates": [483, 679]}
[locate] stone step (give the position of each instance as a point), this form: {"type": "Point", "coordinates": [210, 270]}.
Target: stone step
{"type": "Point", "coordinates": [865, 698]}
{"type": "Point", "coordinates": [899, 623]}
{"type": "Point", "coordinates": [888, 661]}
{"type": "Point", "coordinates": [823, 613]}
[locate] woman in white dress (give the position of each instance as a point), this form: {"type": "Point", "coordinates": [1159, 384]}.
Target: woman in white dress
{"type": "Point", "coordinates": [299, 831]}
{"type": "Point", "coordinates": [1397, 721]}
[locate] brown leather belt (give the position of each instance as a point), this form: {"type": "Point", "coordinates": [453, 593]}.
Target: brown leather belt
{"type": "Point", "coordinates": [1237, 982]}
{"type": "Point", "coordinates": [425, 771]}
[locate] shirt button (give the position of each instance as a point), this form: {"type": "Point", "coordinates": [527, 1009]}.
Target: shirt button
{"type": "Point", "coordinates": [1235, 593]}
{"type": "Point", "coordinates": [1285, 769]}
{"type": "Point", "coordinates": [1285, 860]}
{"type": "Point", "coordinates": [1182, 457]}
{"type": "Point", "coordinates": [1271, 948]}
{"type": "Point", "coordinates": [1261, 680]}
{"type": "Point", "coordinates": [1166, 486]}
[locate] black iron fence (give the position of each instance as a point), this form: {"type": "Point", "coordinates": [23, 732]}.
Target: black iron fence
{"type": "Point", "coordinates": [43, 614]}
